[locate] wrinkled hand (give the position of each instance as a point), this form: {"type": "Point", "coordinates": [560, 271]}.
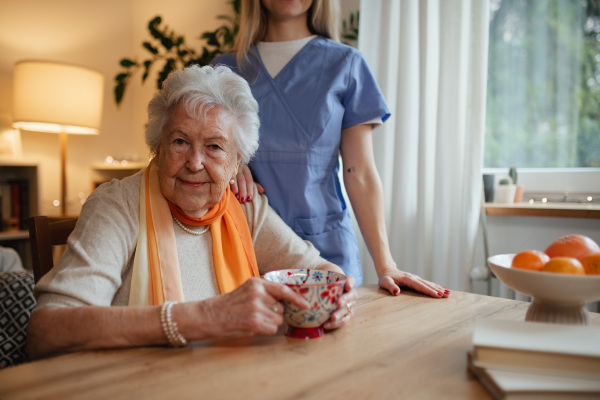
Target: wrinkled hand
{"type": "Point", "coordinates": [394, 278]}
{"type": "Point", "coordinates": [254, 308]}
{"type": "Point", "coordinates": [243, 187]}
{"type": "Point", "coordinates": [345, 303]}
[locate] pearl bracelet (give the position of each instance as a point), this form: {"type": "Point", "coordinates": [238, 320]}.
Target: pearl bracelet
{"type": "Point", "coordinates": [170, 327]}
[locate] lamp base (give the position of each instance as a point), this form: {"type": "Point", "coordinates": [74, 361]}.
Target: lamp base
{"type": "Point", "coordinates": [63, 173]}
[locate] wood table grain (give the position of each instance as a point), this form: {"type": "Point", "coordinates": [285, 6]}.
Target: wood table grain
{"type": "Point", "coordinates": [406, 347]}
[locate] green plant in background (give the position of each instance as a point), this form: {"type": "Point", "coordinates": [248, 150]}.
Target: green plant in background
{"type": "Point", "coordinates": [349, 34]}
{"type": "Point", "coordinates": [512, 172]}
{"type": "Point", "coordinates": [504, 182]}
{"type": "Point", "coordinates": [170, 48]}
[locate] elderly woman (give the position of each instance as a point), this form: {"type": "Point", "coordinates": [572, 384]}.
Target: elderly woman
{"type": "Point", "coordinates": [171, 242]}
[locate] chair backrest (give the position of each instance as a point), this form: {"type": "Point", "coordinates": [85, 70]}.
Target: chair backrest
{"type": "Point", "coordinates": [45, 233]}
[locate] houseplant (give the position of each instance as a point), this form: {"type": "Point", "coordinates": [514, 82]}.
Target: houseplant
{"type": "Point", "coordinates": [512, 172]}
{"type": "Point", "coordinates": [170, 51]}
{"type": "Point", "coordinates": [505, 192]}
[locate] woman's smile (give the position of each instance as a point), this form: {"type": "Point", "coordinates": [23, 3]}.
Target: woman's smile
{"type": "Point", "coordinates": [191, 183]}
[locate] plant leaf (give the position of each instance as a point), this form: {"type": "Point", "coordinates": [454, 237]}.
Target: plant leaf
{"type": "Point", "coordinates": [126, 62]}
{"type": "Point", "coordinates": [122, 77]}
{"type": "Point", "coordinates": [147, 65]}
{"type": "Point", "coordinates": [148, 46]}
{"type": "Point", "coordinates": [119, 92]}
{"type": "Point", "coordinates": [152, 27]}
{"type": "Point", "coordinates": [167, 43]}
{"type": "Point", "coordinates": [167, 69]}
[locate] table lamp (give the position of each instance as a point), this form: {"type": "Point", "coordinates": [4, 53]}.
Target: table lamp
{"type": "Point", "coordinates": [57, 98]}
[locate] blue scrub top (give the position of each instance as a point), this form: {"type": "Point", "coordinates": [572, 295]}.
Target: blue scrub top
{"type": "Point", "coordinates": [326, 87]}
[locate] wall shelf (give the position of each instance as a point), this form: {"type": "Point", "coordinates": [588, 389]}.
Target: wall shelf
{"type": "Point", "coordinates": [103, 172]}
{"type": "Point", "coordinates": [550, 209]}
{"type": "Point", "coordinates": [130, 166]}
{"type": "Point", "coordinates": [13, 235]}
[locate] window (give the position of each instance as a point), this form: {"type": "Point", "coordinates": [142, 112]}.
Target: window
{"type": "Point", "coordinates": [543, 96]}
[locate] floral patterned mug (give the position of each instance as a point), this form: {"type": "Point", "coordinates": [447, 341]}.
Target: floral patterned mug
{"type": "Point", "coordinates": [321, 290]}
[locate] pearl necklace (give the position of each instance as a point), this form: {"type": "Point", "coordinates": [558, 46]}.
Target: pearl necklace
{"type": "Point", "coordinates": [188, 230]}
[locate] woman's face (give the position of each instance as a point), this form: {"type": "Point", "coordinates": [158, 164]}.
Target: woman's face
{"type": "Point", "coordinates": [281, 10]}
{"type": "Point", "coordinates": [197, 158]}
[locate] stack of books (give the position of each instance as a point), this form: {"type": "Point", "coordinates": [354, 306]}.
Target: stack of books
{"type": "Point", "coordinates": [535, 360]}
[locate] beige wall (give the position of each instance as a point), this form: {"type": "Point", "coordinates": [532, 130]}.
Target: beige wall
{"type": "Point", "coordinates": [94, 34]}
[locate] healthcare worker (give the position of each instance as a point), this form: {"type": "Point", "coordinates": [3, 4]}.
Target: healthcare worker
{"type": "Point", "coordinates": [317, 100]}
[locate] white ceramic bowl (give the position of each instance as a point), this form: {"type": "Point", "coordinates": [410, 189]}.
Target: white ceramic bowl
{"type": "Point", "coordinates": [321, 289]}
{"type": "Point", "coordinates": [556, 297]}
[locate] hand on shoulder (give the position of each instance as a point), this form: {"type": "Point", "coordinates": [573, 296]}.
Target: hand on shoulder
{"type": "Point", "coordinates": [244, 185]}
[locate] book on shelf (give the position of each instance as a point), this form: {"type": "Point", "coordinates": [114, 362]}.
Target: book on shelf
{"type": "Point", "coordinates": [14, 205]}
{"type": "Point", "coordinates": [538, 346]}
{"type": "Point", "coordinates": [506, 384]}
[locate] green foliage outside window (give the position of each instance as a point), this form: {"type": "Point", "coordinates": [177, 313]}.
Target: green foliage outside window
{"type": "Point", "coordinates": [543, 95]}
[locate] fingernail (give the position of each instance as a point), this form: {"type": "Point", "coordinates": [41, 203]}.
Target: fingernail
{"type": "Point", "coordinates": [237, 196]}
{"type": "Point", "coordinates": [446, 291]}
{"type": "Point", "coordinates": [439, 294]}
{"type": "Point", "coordinates": [248, 198]}
{"type": "Point", "coordinates": [396, 291]}
{"type": "Point", "coordinates": [242, 200]}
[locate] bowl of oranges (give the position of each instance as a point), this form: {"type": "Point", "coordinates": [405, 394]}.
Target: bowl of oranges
{"type": "Point", "coordinates": [560, 279]}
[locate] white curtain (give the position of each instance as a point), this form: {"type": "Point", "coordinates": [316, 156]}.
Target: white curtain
{"type": "Point", "coordinates": [430, 59]}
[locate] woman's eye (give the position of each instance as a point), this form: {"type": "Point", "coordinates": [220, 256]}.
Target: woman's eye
{"type": "Point", "coordinates": [179, 141]}
{"type": "Point", "coordinates": [214, 147]}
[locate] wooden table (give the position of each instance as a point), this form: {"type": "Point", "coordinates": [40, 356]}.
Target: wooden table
{"type": "Point", "coordinates": [410, 346]}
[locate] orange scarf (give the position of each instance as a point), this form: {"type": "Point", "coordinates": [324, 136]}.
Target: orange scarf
{"type": "Point", "coordinates": [156, 277]}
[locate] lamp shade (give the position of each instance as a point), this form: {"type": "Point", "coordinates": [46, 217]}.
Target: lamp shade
{"type": "Point", "coordinates": [51, 97]}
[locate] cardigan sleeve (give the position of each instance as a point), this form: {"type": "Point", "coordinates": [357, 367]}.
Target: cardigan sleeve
{"type": "Point", "coordinates": [99, 251]}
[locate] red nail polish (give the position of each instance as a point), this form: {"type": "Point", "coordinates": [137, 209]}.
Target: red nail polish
{"type": "Point", "coordinates": [248, 198]}
{"type": "Point", "coordinates": [439, 294]}
{"type": "Point", "coordinates": [396, 291]}
{"type": "Point", "coordinates": [446, 291]}
{"type": "Point", "coordinates": [237, 196]}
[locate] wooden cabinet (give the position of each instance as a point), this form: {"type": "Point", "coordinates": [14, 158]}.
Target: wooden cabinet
{"type": "Point", "coordinates": [19, 199]}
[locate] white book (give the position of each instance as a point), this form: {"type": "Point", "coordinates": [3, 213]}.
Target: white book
{"type": "Point", "coordinates": [537, 346]}
{"type": "Point", "coordinates": [504, 384]}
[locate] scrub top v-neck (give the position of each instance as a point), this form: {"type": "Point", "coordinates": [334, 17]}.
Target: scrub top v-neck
{"type": "Point", "coordinates": [324, 88]}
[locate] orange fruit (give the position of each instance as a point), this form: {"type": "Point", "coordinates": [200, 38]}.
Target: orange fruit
{"type": "Point", "coordinates": [530, 259]}
{"type": "Point", "coordinates": [591, 264]}
{"type": "Point", "coordinates": [564, 265]}
{"type": "Point", "coordinates": [576, 246]}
